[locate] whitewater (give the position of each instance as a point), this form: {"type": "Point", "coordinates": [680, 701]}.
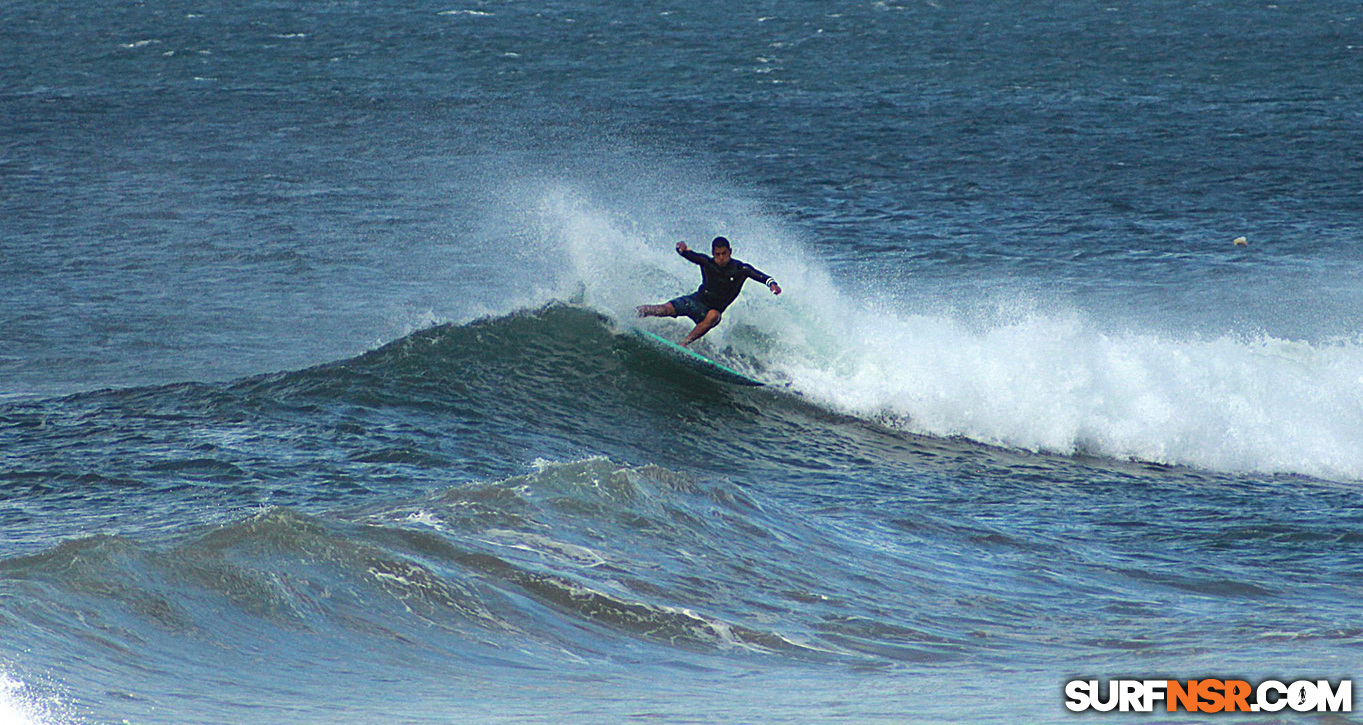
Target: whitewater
{"type": "Point", "coordinates": [319, 400]}
{"type": "Point", "coordinates": [1013, 371]}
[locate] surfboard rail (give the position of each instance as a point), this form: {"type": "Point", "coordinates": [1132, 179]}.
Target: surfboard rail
{"type": "Point", "coordinates": [694, 360]}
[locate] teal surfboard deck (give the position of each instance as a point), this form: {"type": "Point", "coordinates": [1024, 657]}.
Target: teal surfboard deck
{"type": "Point", "coordinates": [695, 361]}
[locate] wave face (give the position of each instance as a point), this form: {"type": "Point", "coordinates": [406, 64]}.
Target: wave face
{"type": "Point", "coordinates": [538, 503]}
{"type": "Point", "coordinates": [319, 402]}
{"type": "Point", "coordinates": [1009, 369]}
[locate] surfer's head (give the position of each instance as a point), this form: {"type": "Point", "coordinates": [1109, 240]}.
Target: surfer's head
{"type": "Point", "coordinates": [719, 248]}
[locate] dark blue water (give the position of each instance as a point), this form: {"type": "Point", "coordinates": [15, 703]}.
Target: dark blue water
{"type": "Point", "coordinates": [317, 402]}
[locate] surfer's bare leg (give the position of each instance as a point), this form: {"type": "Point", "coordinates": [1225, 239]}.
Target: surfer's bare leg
{"type": "Point", "coordinates": [664, 310]}
{"type": "Point", "coordinates": [712, 318]}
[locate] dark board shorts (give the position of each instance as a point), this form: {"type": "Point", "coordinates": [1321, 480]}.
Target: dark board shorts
{"type": "Point", "coordinates": [691, 306]}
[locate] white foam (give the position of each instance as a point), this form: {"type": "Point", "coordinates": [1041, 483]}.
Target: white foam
{"type": "Point", "coordinates": [1034, 378]}
{"type": "Point", "coordinates": [1055, 382]}
{"type": "Point", "coordinates": [19, 706]}
{"type": "Point", "coordinates": [559, 552]}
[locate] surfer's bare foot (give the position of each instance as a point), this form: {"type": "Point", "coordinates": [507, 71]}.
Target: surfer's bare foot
{"type": "Point", "coordinates": [663, 310]}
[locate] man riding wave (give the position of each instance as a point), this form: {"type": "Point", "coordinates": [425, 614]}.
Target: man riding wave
{"type": "Point", "coordinates": [722, 279]}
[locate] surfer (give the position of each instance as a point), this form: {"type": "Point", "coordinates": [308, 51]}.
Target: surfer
{"type": "Point", "coordinates": [722, 278]}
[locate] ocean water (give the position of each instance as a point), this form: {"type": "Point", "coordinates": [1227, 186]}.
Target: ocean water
{"type": "Point", "coordinates": [318, 402]}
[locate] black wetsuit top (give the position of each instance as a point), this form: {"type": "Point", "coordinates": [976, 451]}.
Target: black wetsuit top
{"type": "Point", "coordinates": [719, 286]}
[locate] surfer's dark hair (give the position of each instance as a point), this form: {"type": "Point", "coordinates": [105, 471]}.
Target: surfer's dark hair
{"type": "Point", "coordinates": [719, 243]}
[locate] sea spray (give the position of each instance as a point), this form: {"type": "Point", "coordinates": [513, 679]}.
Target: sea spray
{"type": "Point", "coordinates": [21, 705]}
{"type": "Point", "coordinates": [1037, 377]}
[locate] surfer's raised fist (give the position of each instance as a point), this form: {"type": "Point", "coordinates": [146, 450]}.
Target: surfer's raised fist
{"type": "Point", "coordinates": [681, 246]}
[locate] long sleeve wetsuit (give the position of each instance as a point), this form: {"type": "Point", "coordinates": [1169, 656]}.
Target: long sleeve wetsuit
{"type": "Point", "coordinates": [719, 286]}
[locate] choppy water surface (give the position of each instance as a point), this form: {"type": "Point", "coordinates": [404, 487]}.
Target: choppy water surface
{"type": "Point", "coordinates": [318, 402]}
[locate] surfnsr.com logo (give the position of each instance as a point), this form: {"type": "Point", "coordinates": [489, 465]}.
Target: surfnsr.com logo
{"type": "Point", "coordinates": [1209, 695]}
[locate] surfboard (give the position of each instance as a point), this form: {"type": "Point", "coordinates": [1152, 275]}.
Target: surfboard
{"type": "Point", "coordinates": [695, 361]}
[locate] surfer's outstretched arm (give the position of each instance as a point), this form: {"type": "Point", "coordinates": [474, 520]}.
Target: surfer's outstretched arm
{"type": "Point", "coordinates": [758, 275]}
{"type": "Point", "coordinates": [690, 256]}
